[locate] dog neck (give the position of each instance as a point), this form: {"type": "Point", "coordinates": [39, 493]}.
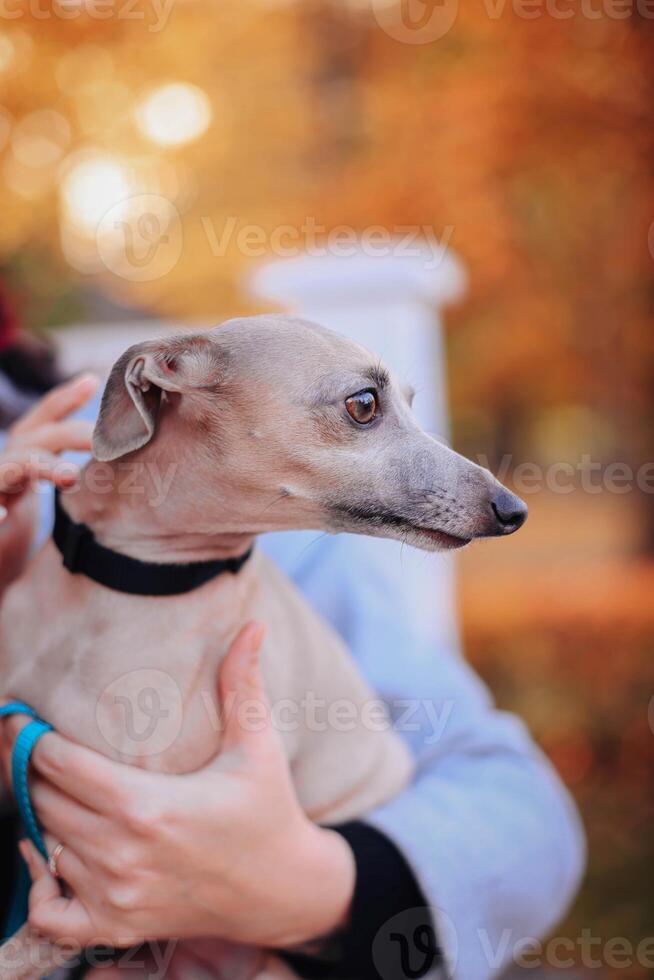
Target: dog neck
{"type": "Point", "coordinates": [141, 511]}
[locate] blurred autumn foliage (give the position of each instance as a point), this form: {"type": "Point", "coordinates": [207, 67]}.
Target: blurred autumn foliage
{"type": "Point", "coordinates": [527, 145]}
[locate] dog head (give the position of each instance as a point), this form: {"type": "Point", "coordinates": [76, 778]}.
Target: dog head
{"type": "Point", "coordinates": [276, 423]}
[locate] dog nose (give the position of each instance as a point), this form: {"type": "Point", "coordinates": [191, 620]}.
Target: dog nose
{"type": "Point", "coordinates": [510, 512]}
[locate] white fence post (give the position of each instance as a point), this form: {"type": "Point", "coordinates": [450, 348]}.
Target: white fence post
{"type": "Point", "coordinates": [390, 304]}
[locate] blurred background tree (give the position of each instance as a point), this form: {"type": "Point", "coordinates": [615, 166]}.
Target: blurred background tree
{"type": "Point", "coordinates": [527, 143]}
{"type": "Point", "coordinates": [530, 138]}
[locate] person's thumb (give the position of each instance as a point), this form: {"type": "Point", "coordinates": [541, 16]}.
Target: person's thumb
{"type": "Point", "coordinates": [244, 708]}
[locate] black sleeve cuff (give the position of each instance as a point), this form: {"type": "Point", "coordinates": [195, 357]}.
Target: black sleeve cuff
{"type": "Point", "coordinates": [390, 933]}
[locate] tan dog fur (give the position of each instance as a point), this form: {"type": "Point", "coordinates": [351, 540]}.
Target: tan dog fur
{"type": "Point", "coordinates": [247, 426]}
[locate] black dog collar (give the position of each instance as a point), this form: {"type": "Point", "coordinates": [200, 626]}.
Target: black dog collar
{"type": "Point", "coordinates": [82, 554]}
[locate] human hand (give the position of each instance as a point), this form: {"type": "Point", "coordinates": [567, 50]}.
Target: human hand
{"type": "Point", "coordinates": [33, 443]}
{"type": "Point", "coordinates": [30, 454]}
{"type": "Point", "coordinates": [225, 851]}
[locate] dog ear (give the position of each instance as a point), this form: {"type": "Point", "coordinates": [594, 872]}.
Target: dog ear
{"type": "Point", "coordinates": [138, 382]}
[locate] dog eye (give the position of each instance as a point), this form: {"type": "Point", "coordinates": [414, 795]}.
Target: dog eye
{"type": "Point", "coordinates": [362, 407]}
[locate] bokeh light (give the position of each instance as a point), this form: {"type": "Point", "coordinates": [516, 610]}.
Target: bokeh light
{"type": "Point", "coordinates": [174, 114]}
{"type": "Point", "coordinates": [91, 187]}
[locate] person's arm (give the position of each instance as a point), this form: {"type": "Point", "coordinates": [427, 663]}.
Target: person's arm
{"type": "Point", "coordinates": [489, 832]}
{"type": "Point", "coordinates": [388, 931]}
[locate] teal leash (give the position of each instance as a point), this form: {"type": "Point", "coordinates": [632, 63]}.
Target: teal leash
{"type": "Point", "coordinates": [20, 760]}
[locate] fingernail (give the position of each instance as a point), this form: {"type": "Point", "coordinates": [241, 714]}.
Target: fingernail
{"type": "Point", "coordinates": [68, 479]}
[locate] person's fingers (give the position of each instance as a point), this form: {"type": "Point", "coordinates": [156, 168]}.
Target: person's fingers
{"type": "Point", "coordinates": [57, 437]}
{"type": "Point", "coordinates": [22, 468]}
{"type": "Point", "coordinates": [14, 724]}
{"type": "Point", "coordinates": [17, 469]}
{"type": "Point", "coordinates": [87, 776]}
{"type": "Point", "coordinates": [3, 513]}
{"type": "Point", "coordinates": [57, 404]}
{"type": "Point", "coordinates": [70, 866]}
{"type": "Point", "coordinates": [61, 918]}
{"type": "Point", "coordinates": [244, 704]}
{"type": "Point", "coordinates": [64, 818]}
{"type": "Point", "coordinates": [51, 913]}
{"type": "Point", "coordinates": [64, 476]}
{"type": "Point", "coordinates": [44, 886]}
